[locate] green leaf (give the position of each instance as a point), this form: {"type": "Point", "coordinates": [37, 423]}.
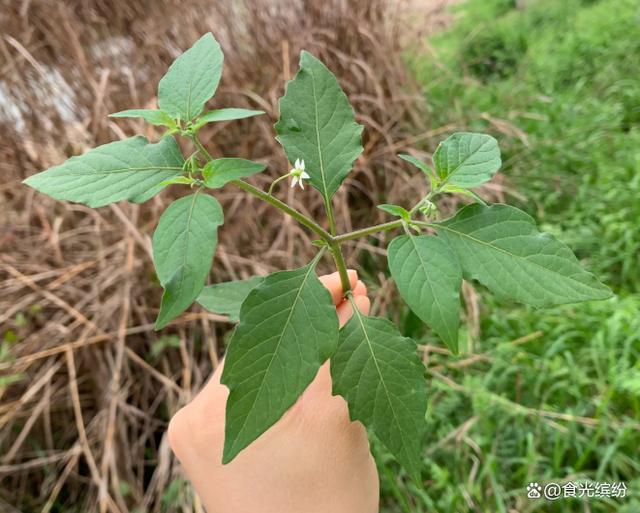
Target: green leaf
{"type": "Point", "coordinates": [191, 80]}
{"type": "Point", "coordinates": [160, 345]}
{"type": "Point", "coordinates": [153, 116]}
{"type": "Point", "coordinates": [183, 246]}
{"type": "Point", "coordinates": [133, 170]}
{"type": "Point", "coordinates": [429, 278]}
{"type": "Point", "coordinates": [379, 374]}
{"type": "Point", "coordinates": [501, 247]}
{"type": "Point", "coordinates": [219, 172]}
{"type": "Point", "coordinates": [225, 115]}
{"type": "Point", "coordinates": [467, 160]}
{"type": "Point", "coordinates": [317, 124]}
{"type": "Point", "coordinates": [227, 298]}
{"type": "Point", "coordinates": [395, 210]}
{"type": "Point", "coordinates": [418, 163]}
{"type": "Point", "coordinates": [288, 328]}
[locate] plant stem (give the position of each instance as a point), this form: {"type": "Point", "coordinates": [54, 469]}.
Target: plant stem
{"type": "Point", "coordinates": [332, 223]}
{"type": "Point", "coordinates": [298, 216]}
{"type": "Point", "coordinates": [201, 148]}
{"type": "Point", "coordinates": [356, 234]}
{"type": "Point", "coordinates": [431, 194]}
{"type": "Point", "coordinates": [276, 181]}
{"type": "Point", "coordinates": [333, 241]}
{"type": "Point", "coordinates": [424, 224]}
{"type": "Point", "coordinates": [338, 258]}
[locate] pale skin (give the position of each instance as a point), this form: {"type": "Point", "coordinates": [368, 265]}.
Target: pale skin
{"type": "Point", "coordinates": [313, 460]}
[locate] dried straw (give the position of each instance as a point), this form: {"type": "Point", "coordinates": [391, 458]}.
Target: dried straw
{"type": "Point", "coordinates": [82, 426]}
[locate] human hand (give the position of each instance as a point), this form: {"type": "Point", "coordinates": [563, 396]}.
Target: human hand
{"type": "Point", "coordinates": [312, 460]}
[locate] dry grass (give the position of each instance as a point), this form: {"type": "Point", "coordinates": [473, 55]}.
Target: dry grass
{"type": "Point", "coordinates": [82, 425]}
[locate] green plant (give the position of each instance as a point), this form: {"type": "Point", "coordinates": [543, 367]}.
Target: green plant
{"type": "Point", "coordinates": [287, 322]}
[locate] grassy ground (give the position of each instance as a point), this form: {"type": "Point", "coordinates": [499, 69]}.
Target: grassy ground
{"type": "Point", "coordinates": [547, 395]}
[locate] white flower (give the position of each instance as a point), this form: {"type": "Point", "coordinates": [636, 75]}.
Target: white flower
{"type": "Point", "coordinates": [299, 165]}
{"type": "Point", "coordinates": [298, 174]}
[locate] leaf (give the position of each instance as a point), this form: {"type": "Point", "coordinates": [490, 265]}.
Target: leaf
{"type": "Point", "coordinates": [501, 247]}
{"type": "Point", "coordinates": [219, 172]}
{"type": "Point", "coordinates": [226, 298]}
{"type": "Point", "coordinates": [192, 79]}
{"type": "Point", "coordinates": [153, 116]}
{"type": "Point", "coordinates": [418, 163]}
{"type": "Point", "coordinates": [225, 115]}
{"type": "Point", "coordinates": [381, 377]}
{"type": "Point", "coordinates": [133, 170]}
{"type": "Point", "coordinates": [183, 246]}
{"type": "Point", "coordinates": [160, 345]}
{"type": "Point", "coordinates": [422, 167]}
{"type": "Point", "coordinates": [429, 278]}
{"type": "Point", "coordinates": [395, 210]}
{"type": "Point", "coordinates": [467, 160]}
{"type": "Point", "coordinates": [288, 328]}
{"type": "Point", "coordinates": [317, 124]}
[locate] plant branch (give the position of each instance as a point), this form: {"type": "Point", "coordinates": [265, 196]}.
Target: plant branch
{"type": "Point", "coordinates": [201, 148]}
{"type": "Point", "coordinates": [424, 224]}
{"type": "Point", "coordinates": [338, 258]}
{"type": "Point", "coordinates": [432, 193]}
{"type": "Point", "coordinates": [298, 216]}
{"type": "Point", "coordinates": [363, 232]}
{"type": "Point", "coordinates": [333, 241]}
{"type": "Point", "coordinates": [356, 234]}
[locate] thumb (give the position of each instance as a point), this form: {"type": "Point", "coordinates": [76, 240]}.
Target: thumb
{"type": "Point", "coordinates": [345, 310]}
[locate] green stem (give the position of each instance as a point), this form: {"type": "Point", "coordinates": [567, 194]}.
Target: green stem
{"type": "Point", "coordinates": [201, 148]}
{"type": "Point", "coordinates": [333, 241]}
{"type": "Point", "coordinates": [276, 181]}
{"type": "Point", "coordinates": [298, 216]}
{"type": "Point", "coordinates": [338, 258]}
{"type": "Point", "coordinates": [431, 194]}
{"type": "Point", "coordinates": [357, 234]}
{"type": "Point", "coordinates": [424, 224]}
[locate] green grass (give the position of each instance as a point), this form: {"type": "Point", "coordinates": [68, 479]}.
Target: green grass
{"type": "Point", "coordinates": [580, 361]}
{"type": "Point", "coordinates": [561, 82]}
{"type": "Point", "coordinates": [566, 74]}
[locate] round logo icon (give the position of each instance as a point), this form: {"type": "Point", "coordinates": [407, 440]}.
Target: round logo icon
{"type": "Point", "coordinates": [533, 490]}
